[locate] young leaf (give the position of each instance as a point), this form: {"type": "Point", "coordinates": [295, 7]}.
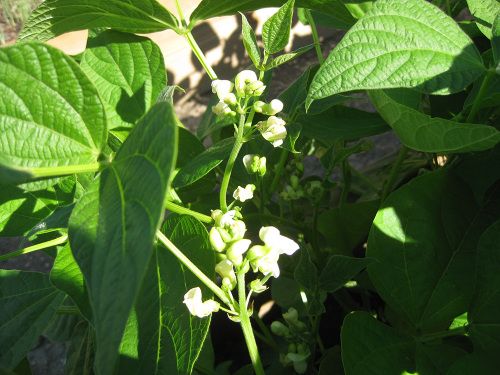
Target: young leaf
{"type": "Point", "coordinates": [64, 124]}
{"type": "Point", "coordinates": [161, 334]}
{"type": "Point", "coordinates": [408, 43]}
{"type": "Point", "coordinates": [27, 305]}
{"type": "Point", "coordinates": [423, 241]}
{"type": "Point", "coordinates": [276, 30]}
{"type": "Point", "coordinates": [287, 57]}
{"type": "Point", "coordinates": [341, 123]}
{"type": "Point", "coordinates": [484, 11]}
{"type": "Point", "coordinates": [250, 41]}
{"type": "Point", "coordinates": [483, 314]}
{"type": "Point", "coordinates": [370, 347]}
{"type": "Point", "coordinates": [340, 269]}
{"type": "Point", "coordinates": [203, 163]}
{"type": "Point", "coordinates": [128, 72]}
{"type": "Point", "coordinates": [424, 133]}
{"type": "Point", "coordinates": [113, 226]}
{"type": "Point", "coordinates": [56, 17]}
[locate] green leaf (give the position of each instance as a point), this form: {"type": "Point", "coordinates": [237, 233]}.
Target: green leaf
{"type": "Point", "coordinates": [341, 123]}
{"type": "Point", "coordinates": [306, 275]}
{"type": "Point", "coordinates": [483, 314]}
{"type": "Point", "coordinates": [67, 276]}
{"type": "Point", "coordinates": [202, 164]}
{"type": "Point", "coordinates": [424, 133]}
{"type": "Point", "coordinates": [340, 269]}
{"type": "Point", "coordinates": [276, 30]}
{"type": "Point", "coordinates": [80, 354]}
{"type": "Point", "coordinates": [128, 72]}
{"type": "Point", "coordinates": [370, 347]}
{"type": "Point", "coordinates": [250, 41]}
{"type": "Point", "coordinates": [56, 17]}
{"type": "Point", "coordinates": [495, 42]}
{"type": "Point", "coordinates": [423, 241]}
{"type": "Point", "coordinates": [287, 57]}
{"type": "Point", "coordinates": [484, 11]}
{"type": "Point", "coordinates": [331, 362]}
{"type": "Point", "coordinates": [436, 358]}
{"type": "Point", "coordinates": [64, 124]}
{"type": "Point", "coordinates": [410, 43]}
{"type": "Point", "coordinates": [209, 122]}
{"type": "Point", "coordinates": [215, 8]}
{"type": "Point", "coordinates": [347, 226]}
{"type": "Point", "coordinates": [27, 304]}
{"type": "Point", "coordinates": [161, 336]}
{"type": "Point", "coordinates": [113, 226]}
{"type": "Point", "coordinates": [474, 363]}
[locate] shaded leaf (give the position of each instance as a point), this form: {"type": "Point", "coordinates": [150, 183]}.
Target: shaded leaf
{"type": "Point", "coordinates": [340, 269]}
{"type": "Point", "coordinates": [484, 11]}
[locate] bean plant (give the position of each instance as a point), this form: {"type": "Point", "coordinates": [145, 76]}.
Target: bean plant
{"type": "Point", "coordinates": [388, 269]}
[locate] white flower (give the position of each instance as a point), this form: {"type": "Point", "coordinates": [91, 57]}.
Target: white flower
{"type": "Point", "coordinates": [256, 88]}
{"type": "Point", "coordinates": [274, 107]}
{"type": "Point", "coordinates": [221, 109]}
{"type": "Point", "coordinates": [223, 219]}
{"type": "Point", "coordinates": [192, 299]}
{"type": "Point", "coordinates": [243, 194]}
{"type": "Point", "coordinates": [242, 79]}
{"type": "Point", "coordinates": [259, 106]}
{"type": "Point", "coordinates": [225, 269]}
{"type": "Point", "coordinates": [236, 251]}
{"type": "Point", "coordinates": [255, 164]}
{"type": "Point", "coordinates": [230, 99]}
{"type": "Point", "coordinates": [274, 240]}
{"type": "Point", "coordinates": [222, 88]}
{"type": "Point", "coordinates": [267, 264]}
{"type": "Point", "coordinates": [237, 230]}
{"type": "Point", "coordinates": [216, 240]}
{"type": "Point", "coordinates": [273, 130]}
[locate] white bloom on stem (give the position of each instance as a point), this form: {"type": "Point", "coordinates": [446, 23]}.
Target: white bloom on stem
{"type": "Point", "coordinates": [255, 164]}
{"type": "Point", "coordinates": [274, 107]}
{"type": "Point", "coordinates": [274, 240]}
{"type": "Point", "coordinates": [273, 130]}
{"type": "Point", "coordinates": [222, 88]}
{"type": "Point", "coordinates": [225, 269]}
{"type": "Point", "coordinates": [236, 251]}
{"type": "Point", "coordinates": [223, 219]}
{"type": "Point", "coordinates": [242, 79]}
{"type": "Point", "coordinates": [216, 240]}
{"type": "Point", "coordinates": [243, 194]}
{"type": "Point", "coordinates": [259, 106]}
{"type": "Point", "coordinates": [195, 305]}
{"type": "Point", "coordinates": [221, 109]}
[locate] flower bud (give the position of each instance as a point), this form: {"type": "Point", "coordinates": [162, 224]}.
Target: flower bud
{"type": "Point", "coordinates": [279, 329]}
{"type": "Point", "coordinates": [236, 251]}
{"type": "Point", "coordinates": [216, 240]}
{"type": "Point", "coordinates": [222, 88]}
{"type": "Point", "coordinates": [273, 130]}
{"type": "Point", "coordinates": [259, 106]}
{"type": "Point", "coordinates": [230, 99]}
{"type": "Point", "coordinates": [237, 230]}
{"type": "Point", "coordinates": [255, 88]}
{"type": "Point", "coordinates": [255, 164]}
{"type": "Point", "coordinates": [257, 287]}
{"type": "Point", "coordinates": [243, 194]}
{"type": "Point", "coordinates": [274, 107]}
{"type": "Point", "coordinates": [291, 316]}
{"type": "Point", "coordinates": [221, 109]}
{"type": "Point", "coordinates": [242, 79]}
{"type": "Point", "coordinates": [228, 284]}
{"type": "Point", "coordinates": [225, 269]}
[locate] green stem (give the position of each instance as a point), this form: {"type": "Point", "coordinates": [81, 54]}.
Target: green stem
{"type": "Point", "coordinates": [269, 339]}
{"type": "Point", "coordinates": [230, 163]}
{"type": "Point", "coordinates": [246, 327]}
{"type": "Point", "coordinates": [193, 268]}
{"type": "Point", "coordinates": [394, 173]}
{"type": "Point", "coordinates": [315, 36]}
{"type": "Point", "coordinates": [64, 170]}
{"type": "Point", "coordinates": [30, 249]}
{"type": "Point", "coordinates": [200, 55]}
{"type": "Point", "coordinates": [479, 97]}
{"type": "Point", "coordinates": [279, 170]}
{"type": "Point", "coordinates": [346, 177]}
{"type": "Point", "coordinates": [181, 14]}
{"type": "Point", "coordinates": [68, 310]}
{"type": "Point", "coordinates": [171, 206]}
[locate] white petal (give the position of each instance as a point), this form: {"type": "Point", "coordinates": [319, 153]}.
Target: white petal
{"type": "Point", "coordinates": [269, 235]}
{"type": "Point", "coordinates": [287, 246]}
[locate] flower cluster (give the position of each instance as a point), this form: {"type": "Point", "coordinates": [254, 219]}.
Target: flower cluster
{"type": "Point", "coordinates": [296, 333]}
{"type": "Point", "coordinates": [247, 86]}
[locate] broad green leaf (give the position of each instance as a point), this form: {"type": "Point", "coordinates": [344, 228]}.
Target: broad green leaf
{"type": "Point", "coordinates": [424, 133]}
{"type": "Point", "coordinates": [340, 269]}
{"type": "Point", "coordinates": [341, 123]}
{"type": "Point", "coordinates": [113, 226]}
{"type": "Point", "coordinates": [331, 362]}
{"type": "Point", "coordinates": [215, 8]}
{"type": "Point", "coordinates": [67, 276]}
{"type": "Point", "coordinates": [287, 57]}
{"type": "Point", "coordinates": [495, 42]}
{"type": "Point", "coordinates": [347, 226]}
{"type": "Point", "coordinates": [56, 17]}
{"type": "Point", "coordinates": [408, 43]}
{"type": "Point", "coordinates": [27, 304]}
{"type": "Point", "coordinates": [250, 41]}
{"type": "Point", "coordinates": [483, 314]}
{"type": "Point", "coordinates": [484, 11]}
{"type": "Point", "coordinates": [370, 347]}
{"type": "Point", "coordinates": [276, 30]}
{"type": "Point", "coordinates": [358, 8]}
{"type": "Point", "coordinates": [161, 336]}
{"type": "Point", "coordinates": [64, 124]}
{"type": "Point", "coordinates": [128, 72]}
{"type": "Point", "coordinates": [21, 210]}
{"type": "Point", "coordinates": [436, 358]}
{"type": "Point", "coordinates": [80, 352]}
{"type": "Point", "coordinates": [306, 275]}
{"type": "Point", "coordinates": [472, 364]}
{"type": "Point", "coordinates": [424, 242]}
{"type": "Point", "coordinates": [203, 163]}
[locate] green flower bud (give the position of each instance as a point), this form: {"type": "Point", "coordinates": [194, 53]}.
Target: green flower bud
{"type": "Point", "coordinates": [236, 251]}
{"type": "Point", "coordinates": [216, 240]}
{"type": "Point", "coordinates": [257, 287]}
{"type": "Point", "coordinates": [279, 329]}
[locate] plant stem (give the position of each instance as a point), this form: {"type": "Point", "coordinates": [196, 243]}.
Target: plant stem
{"type": "Point", "coordinates": [181, 14]}
{"type": "Point", "coordinates": [64, 170]}
{"type": "Point", "coordinates": [171, 206]}
{"type": "Point", "coordinates": [200, 55]}
{"type": "Point", "coordinates": [394, 173]}
{"type": "Point", "coordinates": [315, 36]}
{"type": "Point", "coordinates": [246, 327]}
{"type": "Point", "coordinates": [69, 310]}
{"type": "Point", "coordinates": [230, 163]}
{"type": "Point", "coordinates": [30, 249]}
{"type": "Point", "coordinates": [269, 339]}
{"type": "Point", "coordinates": [279, 169]}
{"type": "Point", "coordinates": [346, 177]}
{"type": "Point", "coordinates": [193, 268]}
{"type": "Point", "coordinates": [479, 97]}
